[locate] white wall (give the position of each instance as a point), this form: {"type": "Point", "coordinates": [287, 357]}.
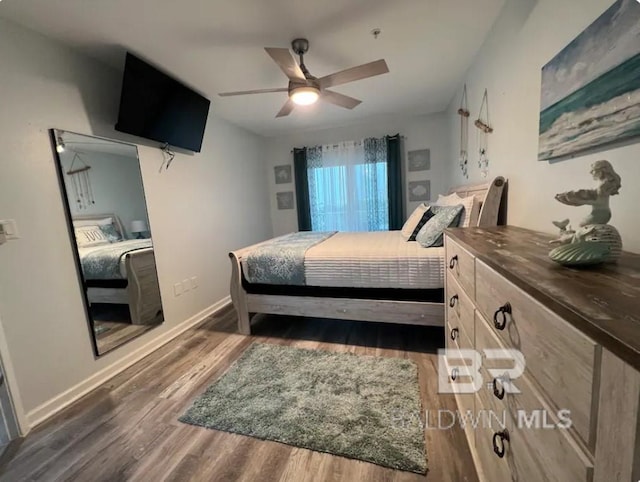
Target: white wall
{"type": "Point", "coordinates": [116, 184]}
{"type": "Point", "coordinates": [203, 206]}
{"type": "Point", "coordinates": [420, 132]}
{"type": "Point", "coordinates": [526, 36]}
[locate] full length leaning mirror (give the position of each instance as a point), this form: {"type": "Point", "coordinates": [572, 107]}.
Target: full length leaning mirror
{"type": "Point", "coordinates": [104, 198]}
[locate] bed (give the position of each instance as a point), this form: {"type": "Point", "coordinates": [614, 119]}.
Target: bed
{"type": "Point", "coordinates": [376, 276]}
{"type": "Point", "coordinates": [122, 272]}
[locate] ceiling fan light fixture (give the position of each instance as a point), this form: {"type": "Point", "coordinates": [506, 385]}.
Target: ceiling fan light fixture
{"type": "Point", "coordinates": [304, 95]}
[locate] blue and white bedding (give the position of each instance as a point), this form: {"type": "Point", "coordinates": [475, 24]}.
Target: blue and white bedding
{"type": "Point", "coordinates": [107, 261]}
{"type": "Point", "coordinates": [280, 261]}
{"type": "Point", "coordinates": [382, 259]}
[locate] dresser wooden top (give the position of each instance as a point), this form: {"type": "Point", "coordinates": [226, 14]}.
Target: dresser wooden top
{"type": "Point", "coordinates": [603, 302]}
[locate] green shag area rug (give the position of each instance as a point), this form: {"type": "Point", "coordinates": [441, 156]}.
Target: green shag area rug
{"type": "Point", "coordinates": [361, 407]}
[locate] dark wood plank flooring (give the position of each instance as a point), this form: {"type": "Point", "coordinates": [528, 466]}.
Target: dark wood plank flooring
{"type": "Point", "coordinates": [118, 333]}
{"type": "Point", "coordinates": [127, 429]}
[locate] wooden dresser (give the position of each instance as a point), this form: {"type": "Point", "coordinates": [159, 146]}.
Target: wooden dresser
{"type": "Point", "coordinates": [576, 416]}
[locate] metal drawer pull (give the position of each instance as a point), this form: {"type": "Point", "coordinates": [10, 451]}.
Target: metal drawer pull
{"type": "Point", "coordinates": [452, 263]}
{"type": "Point", "coordinates": [453, 300]}
{"type": "Point", "coordinates": [498, 442]}
{"type": "Point", "coordinates": [499, 394]}
{"type": "Point", "coordinates": [454, 374]}
{"type": "Point", "coordinates": [500, 316]}
{"type": "Point", "coordinates": [454, 334]}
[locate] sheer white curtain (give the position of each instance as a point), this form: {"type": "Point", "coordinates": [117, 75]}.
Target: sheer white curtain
{"type": "Point", "coordinates": [348, 188]}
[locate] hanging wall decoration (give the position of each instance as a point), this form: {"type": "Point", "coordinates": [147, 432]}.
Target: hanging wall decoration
{"type": "Point", "coordinates": [419, 191]}
{"type": "Point", "coordinates": [464, 114]}
{"type": "Point", "coordinates": [483, 123]}
{"type": "Point", "coordinates": [284, 200]}
{"type": "Point", "coordinates": [283, 174]}
{"type": "Point", "coordinates": [419, 160]}
{"type": "Point", "coordinates": [81, 182]}
{"type": "Point", "coordinates": [591, 90]}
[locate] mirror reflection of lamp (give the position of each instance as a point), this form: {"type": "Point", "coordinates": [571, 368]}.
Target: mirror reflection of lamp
{"type": "Point", "coordinates": [138, 227]}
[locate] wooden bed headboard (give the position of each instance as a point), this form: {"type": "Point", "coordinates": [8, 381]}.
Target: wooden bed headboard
{"type": "Point", "coordinates": [490, 195]}
{"type": "Point", "coordinates": [90, 217]}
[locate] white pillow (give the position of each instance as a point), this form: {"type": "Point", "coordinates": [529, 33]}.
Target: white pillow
{"type": "Point", "coordinates": [471, 205]}
{"type": "Point", "coordinates": [79, 223]}
{"type": "Point", "coordinates": [90, 236]}
{"type": "Point", "coordinates": [411, 223]}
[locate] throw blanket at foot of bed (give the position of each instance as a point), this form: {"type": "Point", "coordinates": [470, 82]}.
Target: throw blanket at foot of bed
{"type": "Point", "coordinates": [281, 260]}
{"type": "Point", "coordinates": [103, 262]}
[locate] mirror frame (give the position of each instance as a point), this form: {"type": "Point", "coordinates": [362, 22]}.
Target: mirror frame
{"type": "Point", "coordinates": [53, 135]}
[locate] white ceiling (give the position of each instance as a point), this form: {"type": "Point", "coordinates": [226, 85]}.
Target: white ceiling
{"type": "Point", "coordinates": [217, 45]}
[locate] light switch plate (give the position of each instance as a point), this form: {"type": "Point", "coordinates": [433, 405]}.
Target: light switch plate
{"type": "Point", "coordinates": [194, 282]}
{"type": "Point", "coordinates": [10, 229]}
{"type": "Point", "coordinates": [177, 289]}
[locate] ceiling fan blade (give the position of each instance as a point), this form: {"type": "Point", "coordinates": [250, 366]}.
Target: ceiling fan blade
{"type": "Point", "coordinates": [340, 100]}
{"type": "Point", "coordinates": [246, 92]}
{"type": "Point", "coordinates": [286, 62]}
{"type": "Point", "coordinates": [287, 108]}
{"type": "Point", "coordinates": [355, 73]}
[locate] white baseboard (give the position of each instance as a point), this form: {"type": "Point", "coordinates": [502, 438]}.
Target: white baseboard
{"type": "Point", "coordinates": [59, 402]}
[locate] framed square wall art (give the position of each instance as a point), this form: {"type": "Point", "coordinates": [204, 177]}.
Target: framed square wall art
{"type": "Point", "coordinates": [591, 90]}
{"type": "Point", "coordinates": [285, 200]}
{"type": "Point", "coordinates": [419, 160]}
{"type": "Point", "coordinates": [419, 191]}
{"type": "Point", "coordinates": [282, 174]}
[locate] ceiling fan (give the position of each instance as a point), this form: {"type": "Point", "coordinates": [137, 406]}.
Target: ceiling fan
{"type": "Point", "coordinates": [304, 88]}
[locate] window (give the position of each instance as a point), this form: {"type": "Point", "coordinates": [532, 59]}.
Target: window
{"type": "Point", "coordinates": [348, 186]}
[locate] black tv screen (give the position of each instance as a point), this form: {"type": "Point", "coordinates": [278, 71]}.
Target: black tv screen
{"type": "Point", "coordinates": [158, 107]}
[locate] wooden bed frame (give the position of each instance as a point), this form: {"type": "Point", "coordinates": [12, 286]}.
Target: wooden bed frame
{"type": "Point", "coordinates": [142, 293]}
{"type": "Point", "coordinates": [388, 311]}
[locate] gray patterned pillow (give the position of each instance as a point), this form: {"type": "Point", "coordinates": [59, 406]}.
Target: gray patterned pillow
{"type": "Point", "coordinates": [111, 233]}
{"type": "Point", "coordinates": [431, 234]}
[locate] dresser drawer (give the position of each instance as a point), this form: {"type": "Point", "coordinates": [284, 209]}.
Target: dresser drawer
{"type": "Point", "coordinates": [455, 365]}
{"type": "Point", "coordinates": [538, 448]}
{"type": "Point", "coordinates": [466, 409]}
{"type": "Point", "coordinates": [461, 264]}
{"type": "Point", "coordinates": [492, 468]}
{"type": "Point", "coordinates": [454, 332]}
{"type": "Point", "coordinates": [539, 442]}
{"type": "Point", "coordinates": [459, 308]}
{"type": "Point", "coordinates": [557, 356]}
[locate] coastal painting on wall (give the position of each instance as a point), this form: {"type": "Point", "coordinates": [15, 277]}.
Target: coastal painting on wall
{"type": "Point", "coordinates": [591, 90]}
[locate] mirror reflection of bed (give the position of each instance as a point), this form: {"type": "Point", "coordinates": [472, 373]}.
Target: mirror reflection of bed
{"type": "Point", "coordinates": [110, 227]}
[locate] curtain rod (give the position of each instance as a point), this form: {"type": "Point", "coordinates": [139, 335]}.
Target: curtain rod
{"type": "Point", "coordinates": [395, 135]}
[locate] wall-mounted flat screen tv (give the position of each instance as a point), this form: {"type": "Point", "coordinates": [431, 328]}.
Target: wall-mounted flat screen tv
{"type": "Point", "coordinates": [158, 107]}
